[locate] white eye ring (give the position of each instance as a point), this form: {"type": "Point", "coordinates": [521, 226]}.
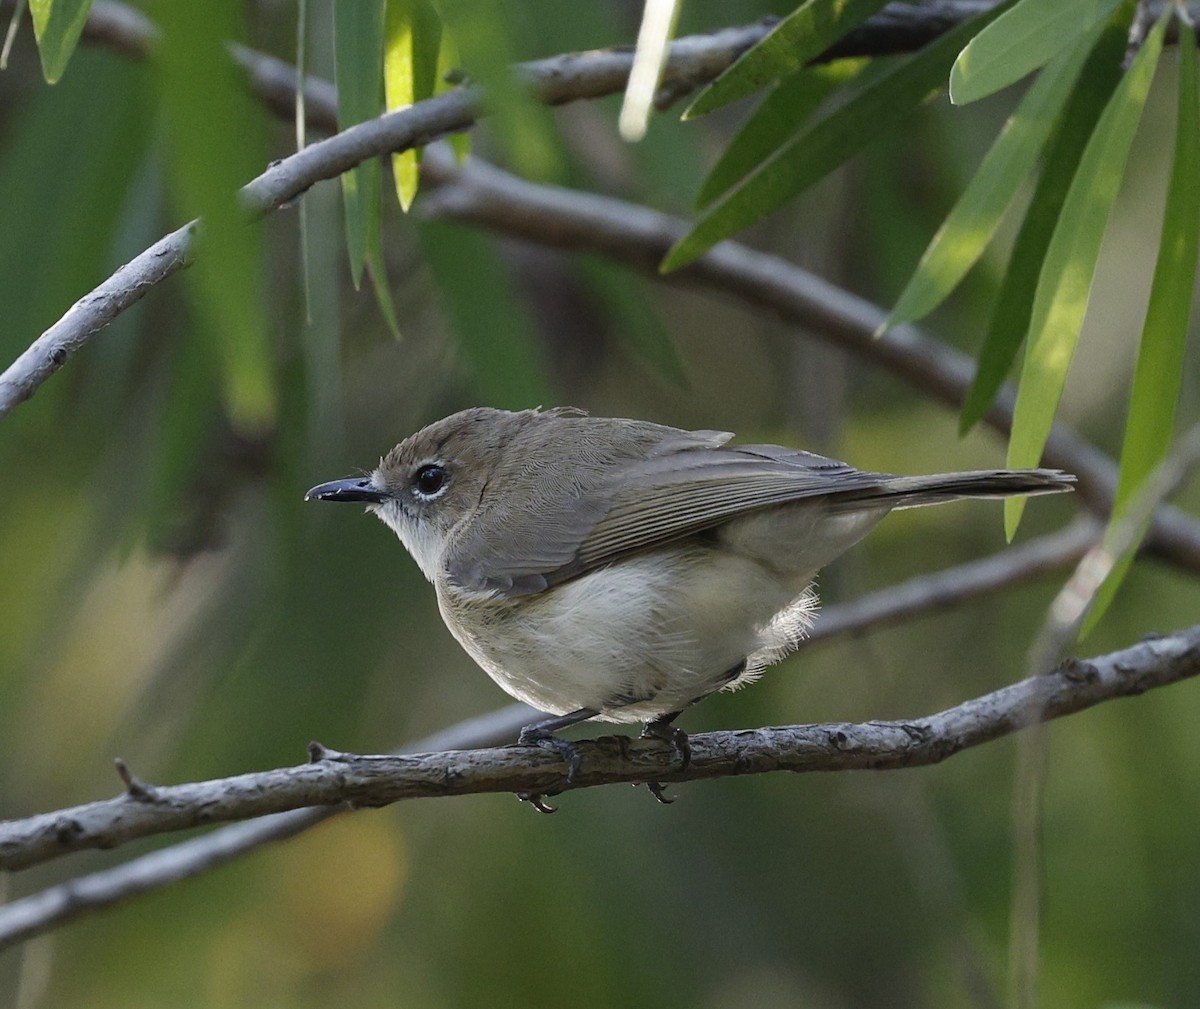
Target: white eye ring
{"type": "Point", "coordinates": [430, 481]}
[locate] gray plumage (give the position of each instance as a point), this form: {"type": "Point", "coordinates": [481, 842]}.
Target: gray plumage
{"type": "Point", "coordinates": [628, 567]}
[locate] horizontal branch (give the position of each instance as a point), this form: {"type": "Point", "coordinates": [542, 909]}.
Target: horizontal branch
{"type": "Point", "coordinates": [58, 904]}
{"type": "Point", "coordinates": [145, 810]}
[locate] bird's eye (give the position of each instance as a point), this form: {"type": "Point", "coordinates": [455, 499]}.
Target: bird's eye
{"type": "Point", "coordinates": [429, 480]}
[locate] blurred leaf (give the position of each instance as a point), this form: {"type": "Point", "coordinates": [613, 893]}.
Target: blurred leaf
{"type": "Point", "coordinates": [489, 318]}
{"type": "Point", "coordinates": [649, 55]}
{"type": "Point", "coordinates": [57, 25]}
{"type": "Point", "coordinates": [358, 68]}
{"type": "Point", "coordinates": [204, 95]}
{"type": "Point", "coordinates": [1159, 370]}
{"type": "Point", "coordinates": [799, 38]}
{"type": "Point", "coordinates": [969, 227]}
{"type": "Point", "coordinates": [777, 117]}
{"type": "Point", "coordinates": [1027, 37]}
{"type": "Point", "coordinates": [412, 36]}
{"type": "Point", "coordinates": [809, 157]}
{"type": "Point", "coordinates": [1014, 302]}
{"type": "Point", "coordinates": [447, 67]}
{"type": "Point", "coordinates": [1066, 279]}
{"type": "Point", "coordinates": [523, 128]}
{"type": "Point", "coordinates": [628, 302]}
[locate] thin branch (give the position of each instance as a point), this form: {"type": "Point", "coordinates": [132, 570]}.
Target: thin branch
{"type": "Point", "coordinates": [334, 779]}
{"type": "Point", "coordinates": [59, 904]}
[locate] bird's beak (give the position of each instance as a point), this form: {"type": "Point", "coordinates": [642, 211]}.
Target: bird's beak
{"type": "Point", "coordinates": [350, 489]}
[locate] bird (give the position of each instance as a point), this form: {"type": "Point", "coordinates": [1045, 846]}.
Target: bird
{"type": "Point", "coordinates": [621, 570]}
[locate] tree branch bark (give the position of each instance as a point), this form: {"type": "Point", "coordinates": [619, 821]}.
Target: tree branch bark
{"type": "Point", "coordinates": [332, 779]}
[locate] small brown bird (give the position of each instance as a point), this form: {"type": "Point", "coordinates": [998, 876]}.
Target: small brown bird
{"type": "Point", "coordinates": [616, 569]}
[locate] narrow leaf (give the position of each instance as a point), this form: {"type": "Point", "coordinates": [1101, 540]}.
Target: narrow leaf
{"type": "Point", "coordinates": [1159, 370]}
{"type": "Point", "coordinates": [799, 38]}
{"type": "Point", "coordinates": [448, 70]}
{"type": "Point", "coordinates": [1066, 279]}
{"type": "Point", "coordinates": [358, 69]}
{"type": "Point", "coordinates": [809, 157]}
{"type": "Point", "coordinates": [1014, 302]}
{"type": "Point", "coordinates": [412, 39]}
{"type": "Point", "coordinates": [1027, 37]}
{"type": "Point", "coordinates": [780, 114]}
{"type": "Point", "coordinates": [970, 226]}
{"type": "Point", "coordinates": [57, 25]}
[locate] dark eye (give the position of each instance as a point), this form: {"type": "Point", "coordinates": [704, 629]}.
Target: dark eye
{"type": "Point", "coordinates": [430, 480]}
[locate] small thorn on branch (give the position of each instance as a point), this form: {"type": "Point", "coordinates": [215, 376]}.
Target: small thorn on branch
{"type": "Point", "coordinates": [134, 786]}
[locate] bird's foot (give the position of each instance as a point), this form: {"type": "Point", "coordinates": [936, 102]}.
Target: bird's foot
{"type": "Point", "coordinates": [532, 735]}
{"type": "Point", "coordinates": [675, 737]}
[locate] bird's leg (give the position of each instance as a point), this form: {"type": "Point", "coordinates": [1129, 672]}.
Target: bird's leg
{"type": "Point", "coordinates": [542, 734]}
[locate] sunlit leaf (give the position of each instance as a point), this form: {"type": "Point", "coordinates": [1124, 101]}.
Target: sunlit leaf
{"type": "Point", "coordinates": [650, 53]}
{"type": "Point", "coordinates": [1014, 302]}
{"type": "Point", "coordinates": [814, 153]}
{"type": "Point", "coordinates": [800, 37]}
{"type": "Point", "coordinates": [1066, 279]}
{"type": "Point", "coordinates": [970, 226]}
{"type": "Point", "coordinates": [57, 25]}
{"type": "Point", "coordinates": [412, 40]}
{"type": "Point", "coordinates": [1159, 370]}
{"type": "Point", "coordinates": [1026, 37]}
{"type": "Point", "coordinates": [780, 114]}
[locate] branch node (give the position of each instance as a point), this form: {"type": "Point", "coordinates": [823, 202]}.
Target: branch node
{"type": "Point", "coordinates": [1078, 671]}
{"type": "Point", "coordinates": [135, 788]}
{"type": "Point", "coordinates": [319, 751]}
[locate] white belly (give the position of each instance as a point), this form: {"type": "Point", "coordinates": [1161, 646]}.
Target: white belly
{"type": "Point", "coordinates": [640, 638]}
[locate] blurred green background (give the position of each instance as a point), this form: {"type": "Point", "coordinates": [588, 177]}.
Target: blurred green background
{"type": "Point", "coordinates": [167, 597]}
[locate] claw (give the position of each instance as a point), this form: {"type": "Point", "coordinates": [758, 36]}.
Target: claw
{"type": "Point", "coordinates": [656, 789]}
{"type": "Point", "coordinates": [537, 801]}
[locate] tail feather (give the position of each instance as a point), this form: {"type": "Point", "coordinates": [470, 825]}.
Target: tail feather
{"type": "Point", "coordinates": [914, 491]}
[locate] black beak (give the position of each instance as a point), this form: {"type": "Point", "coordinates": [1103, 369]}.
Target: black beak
{"type": "Point", "coordinates": [351, 489]}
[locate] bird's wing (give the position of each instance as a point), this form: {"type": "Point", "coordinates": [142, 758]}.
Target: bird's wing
{"type": "Point", "coordinates": [674, 490]}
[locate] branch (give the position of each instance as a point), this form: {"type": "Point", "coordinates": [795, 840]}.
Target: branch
{"type": "Point", "coordinates": [560, 79]}
{"type": "Point", "coordinates": [484, 196]}
{"type": "Point", "coordinates": [333, 778]}
{"type": "Point", "coordinates": [39, 912]}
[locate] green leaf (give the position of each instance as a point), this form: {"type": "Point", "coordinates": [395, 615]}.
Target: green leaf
{"type": "Point", "coordinates": [1014, 302]}
{"type": "Point", "coordinates": [817, 151]}
{"type": "Point", "coordinates": [630, 307]}
{"type": "Point", "coordinates": [1159, 370]}
{"type": "Point", "coordinates": [412, 40]}
{"type": "Point", "coordinates": [358, 70]}
{"type": "Point", "coordinates": [491, 321]}
{"type": "Point", "coordinates": [447, 67]}
{"type": "Point", "coordinates": [57, 25]}
{"type": "Point", "coordinates": [778, 117]}
{"type": "Point", "coordinates": [971, 225]}
{"type": "Point", "coordinates": [208, 161]}
{"type": "Point", "coordinates": [358, 67]}
{"type": "Point", "coordinates": [1066, 278]}
{"type": "Point", "coordinates": [1026, 37]}
{"type": "Point", "coordinates": [799, 38]}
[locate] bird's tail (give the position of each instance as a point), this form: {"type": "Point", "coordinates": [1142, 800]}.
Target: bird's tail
{"type": "Point", "coordinates": [914, 491]}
